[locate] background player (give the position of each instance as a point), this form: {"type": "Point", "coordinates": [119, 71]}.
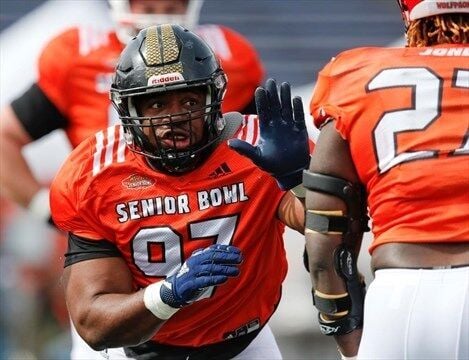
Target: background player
{"type": "Point", "coordinates": [394, 125]}
{"type": "Point", "coordinates": [71, 91]}
{"type": "Point", "coordinates": [166, 184]}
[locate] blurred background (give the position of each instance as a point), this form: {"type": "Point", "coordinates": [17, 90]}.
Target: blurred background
{"type": "Point", "coordinates": [295, 39]}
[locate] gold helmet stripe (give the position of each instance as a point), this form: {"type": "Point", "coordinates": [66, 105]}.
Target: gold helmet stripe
{"type": "Point", "coordinates": [161, 50]}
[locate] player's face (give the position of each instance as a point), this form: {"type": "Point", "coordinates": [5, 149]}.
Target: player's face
{"type": "Point", "coordinates": [175, 7]}
{"type": "Point", "coordinates": [180, 122]}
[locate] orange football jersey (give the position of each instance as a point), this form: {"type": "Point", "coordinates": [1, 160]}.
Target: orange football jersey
{"type": "Point", "coordinates": [76, 69]}
{"type": "Point", "coordinates": [405, 114]}
{"type": "Point", "coordinates": [105, 191]}
{"type": "Point", "coordinates": [75, 73]}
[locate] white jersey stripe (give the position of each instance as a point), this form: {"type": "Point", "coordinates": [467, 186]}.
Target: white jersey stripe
{"type": "Point", "coordinates": [250, 131]}
{"type": "Point", "coordinates": [242, 131]}
{"type": "Point", "coordinates": [255, 121]}
{"type": "Point", "coordinates": [121, 146]}
{"type": "Point", "coordinates": [109, 146]}
{"type": "Point", "coordinates": [99, 150]}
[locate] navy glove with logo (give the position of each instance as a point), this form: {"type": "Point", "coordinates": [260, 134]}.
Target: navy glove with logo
{"type": "Point", "coordinates": [204, 268]}
{"type": "Point", "coordinates": [283, 149]}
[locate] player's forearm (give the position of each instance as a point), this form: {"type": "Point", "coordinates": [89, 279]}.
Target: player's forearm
{"type": "Point", "coordinates": [320, 250]}
{"type": "Point", "coordinates": [16, 179]}
{"type": "Point", "coordinates": [116, 320]}
{"type": "Point", "coordinates": [291, 212]}
{"type": "Point", "coordinates": [328, 284]}
{"type": "Point", "coordinates": [325, 279]}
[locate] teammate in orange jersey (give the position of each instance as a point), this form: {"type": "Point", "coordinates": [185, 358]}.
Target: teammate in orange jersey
{"type": "Point", "coordinates": [75, 71]}
{"type": "Point", "coordinates": [175, 239]}
{"type": "Point", "coordinates": [394, 137]}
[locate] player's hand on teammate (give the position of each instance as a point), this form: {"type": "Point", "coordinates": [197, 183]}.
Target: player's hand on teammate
{"type": "Point", "coordinates": [283, 149]}
{"type": "Point", "coordinates": [204, 268]}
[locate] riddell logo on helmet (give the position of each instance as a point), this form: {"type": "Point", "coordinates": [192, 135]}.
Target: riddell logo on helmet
{"type": "Point", "coordinates": [165, 79]}
{"type": "Point", "coordinates": [135, 181]}
{"type": "Point", "coordinates": [453, 5]}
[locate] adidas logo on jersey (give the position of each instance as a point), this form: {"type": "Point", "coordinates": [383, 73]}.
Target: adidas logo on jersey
{"type": "Point", "coordinates": [222, 170]}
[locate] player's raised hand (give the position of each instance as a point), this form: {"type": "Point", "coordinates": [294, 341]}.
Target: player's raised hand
{"type": "Point", "coordinates": [283, 149]}
{"type": "Point", "coordinates": [204, 268]}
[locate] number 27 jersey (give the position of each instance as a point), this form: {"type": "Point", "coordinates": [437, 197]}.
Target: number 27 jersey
{"type": "Point", "coordinates": [405, 115]}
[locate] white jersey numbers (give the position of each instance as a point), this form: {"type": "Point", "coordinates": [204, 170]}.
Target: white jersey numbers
{"type": "Point", "coordinates": [427, 90]}
{"type": "Point", "coordinates": [171, 244]}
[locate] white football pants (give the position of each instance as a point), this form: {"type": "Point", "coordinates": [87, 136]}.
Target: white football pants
{"type": "Point", "coordinates": [263, 347]}
{"type": "Point", "coordinates": [417, 314]}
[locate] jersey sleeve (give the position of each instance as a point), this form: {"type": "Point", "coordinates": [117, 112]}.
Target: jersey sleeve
{"type": "Point", "coordinates": [81, 249]}
{"type": "Point", "coordinates": [249, 130]}
{"type": "Point", "coordinates": [68, 191]}
{"type": "Point", "coordinates": [37, 113]}
{"type": "Point", "coordinates": [323, 107]}
{"type": "Point", "coordinates": [336, 92]}
{"type": "Point", "coordinates": [240, 61]}
{"type": "Point", "coordinates": [55, 62]}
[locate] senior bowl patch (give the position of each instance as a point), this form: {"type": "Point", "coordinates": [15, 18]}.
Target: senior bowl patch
{"type": "Point", "coordinates": [136, 181]}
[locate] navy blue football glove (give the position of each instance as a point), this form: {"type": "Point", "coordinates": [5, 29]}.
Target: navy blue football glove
{"type": "Point", "coordinates": [204, 268]}
{"type": "Point", "coordinates": [283, 149]}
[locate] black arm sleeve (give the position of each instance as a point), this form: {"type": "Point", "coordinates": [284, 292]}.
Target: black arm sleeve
{"type": "Point", "coordinates": [38, 115]}
{"type": "Point", "coordinates": [80, 249]}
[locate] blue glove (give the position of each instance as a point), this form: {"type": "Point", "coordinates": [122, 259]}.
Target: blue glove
{"type": "Point", "coordinates": [283, 149]}
{"type": "Point", "coordinates": [204, 268]}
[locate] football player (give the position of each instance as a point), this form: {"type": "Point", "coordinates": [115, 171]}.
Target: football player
{"type": "Point", "coordinates": [175, 236]}
{"type": "Point", "coordinates": [72, 92]}
{"type": "Point", "coordinates": [74, 75]}
{"type": "Point", "coordinates": [394, 138]}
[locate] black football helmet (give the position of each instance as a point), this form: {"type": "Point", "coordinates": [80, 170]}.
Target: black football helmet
{"type": "Point", "coordinates": [159, 59]}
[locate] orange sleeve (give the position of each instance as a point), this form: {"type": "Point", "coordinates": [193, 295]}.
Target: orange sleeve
{"type": "Point", "coordinates": [324, 103]}
{"type": "Point", "coordinates": [68, 190]}
{"type": "Point", "coordinates": [55, 62]}
{"type": "Point", "coordinates": [339, 90]}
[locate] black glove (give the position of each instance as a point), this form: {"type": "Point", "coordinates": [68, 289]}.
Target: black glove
{"type": "Point", "coordinates": [283, 149]}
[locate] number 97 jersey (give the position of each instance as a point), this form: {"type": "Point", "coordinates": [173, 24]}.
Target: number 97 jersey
{"type": "Point", "coordinates": [405, 115]}
{"type": "Point", "coordinates": [107, 194]}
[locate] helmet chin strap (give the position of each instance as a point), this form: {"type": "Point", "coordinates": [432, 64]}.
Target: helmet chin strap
{"type": "Point", "coordinates": [177, 166]}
